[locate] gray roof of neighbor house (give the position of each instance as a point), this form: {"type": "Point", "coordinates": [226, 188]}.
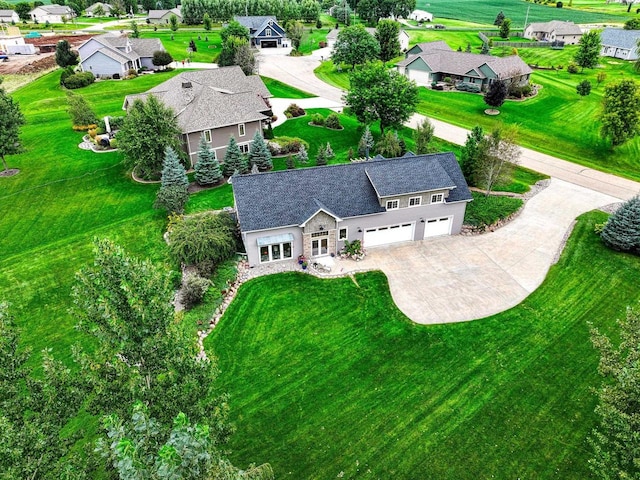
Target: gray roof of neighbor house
{"type": "Point", "coordinates": [254, 23]}
{"type": "Point", "coordinates": [162, 13]}
{"type": "Point", "coordinates": [7, 13]}
{"type": "Point", "coordinates": [559, 26]}
{"type": "Point", "coordinates": [55, 9]}
{"type": "Point", "coordinates": [114, 47]}
{"type": "Point", "coordinates": [440, 58]}
{"type": "Point", "coordinates": [105, 6]}
{"type": "Point", "coordinates": [617, 37]}
{"type": "Point", "coordinates": [290, 197]}
{"type": "Point", "coordinates": [214, 98]}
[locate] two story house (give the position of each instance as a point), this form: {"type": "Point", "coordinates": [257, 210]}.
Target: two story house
{"type": "Point", "coordinates": [264, 32]}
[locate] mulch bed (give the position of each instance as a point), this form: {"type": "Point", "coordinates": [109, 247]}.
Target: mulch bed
{"type": "Point", "coordinates": [10, 172]}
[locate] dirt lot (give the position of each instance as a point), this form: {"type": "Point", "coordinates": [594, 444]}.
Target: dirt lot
{"type": "Point", "coordinates": [23, 64]}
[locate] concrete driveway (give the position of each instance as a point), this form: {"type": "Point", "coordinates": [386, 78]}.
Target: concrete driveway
{"type": "Point", "coordinates": [459, 278]}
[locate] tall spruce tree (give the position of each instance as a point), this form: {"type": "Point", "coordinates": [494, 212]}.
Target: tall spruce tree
{"type": "Point", "coordinates": [234, 161]}
{"type": "Point", "coordinates": [207, 167]}
{"type": "Point", "coordinates": [303, 155]}
{"type": "Point", "coordinates": [366, 143]}
{"type": "Point", "coordinates": [622, 230]}
{"type": "Point", "coordinates": [259, 153]}
{"type": "Point", "coordinates": [173, 194]}
{"type": "Point", "coordinates": [470, 153]}
{"type": "Point", "coordinates": [65, 57]}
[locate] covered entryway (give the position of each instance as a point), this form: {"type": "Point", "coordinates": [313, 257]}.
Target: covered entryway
{"type": "Point", "coordinates": [435, 227]}
{"type": "Point", "coordinates": [269, 44]}
{"type": "Point", "coordinates": [385, 235]}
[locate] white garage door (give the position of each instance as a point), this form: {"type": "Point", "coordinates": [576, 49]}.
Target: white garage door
{"type": "Point", "coordinates": [421, 78]}
{"type": "Point", "coordinates": [385, 235]}
{"type": "Point", "coordinates": [437, 226]}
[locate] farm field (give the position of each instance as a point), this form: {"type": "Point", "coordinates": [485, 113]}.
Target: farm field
{"type": "Point", "coordinates": [328, 379]}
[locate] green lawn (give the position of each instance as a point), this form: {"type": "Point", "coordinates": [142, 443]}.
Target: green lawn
{"type": "Point", "coordinates": [282, 90]}
{"type": "Point", "coordinates": [488, 210]}
{"type": "Point", "coordinates": [327, 376]}
{"type": "Point", "coordinates": [312, 37]}
{"type": "Point", "coordinates": [207, 50]}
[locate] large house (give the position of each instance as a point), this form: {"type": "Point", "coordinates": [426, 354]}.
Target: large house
{"type": "Point", "coordinates": [554, 31]}
{"type": "Point", "coordinates": [217, 104]}
{"type": "Point", "coordinates": [264, 32]}
{"type": "Point", "coordinates": [9, 16]}
{"type": "Point", "coordinates": [618, 43]}
{"type": "Point", "coordinates": [53, 13]}
{"type": "Point", "coordinates": [163, 16]}
{"type": "Point", "coordinates": [403, 37]}
{"type": "Point", "coordinates": [90, 11]}
{"type": "Point", "coordinates": [312, 211]}
{"type": "Point", "coordinates": [108, 55]}
{"type": "Point", "coordinates": [431, 62]}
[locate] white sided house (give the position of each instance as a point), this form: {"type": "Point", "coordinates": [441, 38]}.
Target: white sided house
{"type": "Point", "coordinates": [9, 16]}
{"type": "Point", "coordinates": [53, 13]}
{"type": "Point", "coordinates": [403, 37]}
{"type": "Point", "coordinates": [108, 55]}
{"type": "Point", "coordinates": [554, 31]}
{"type": "Point", "coordinates": [421, 16]}
{"type": "Point", "coordinates": [90, 11]}
{"type": "Point", "coordinates": [618, 43]}
{"type": "Point", "coordinates": [163, 16]}
{"type": "Point", "coordinates": [313, 211]}
{"type": "Point", "coordinates": [215, 104]}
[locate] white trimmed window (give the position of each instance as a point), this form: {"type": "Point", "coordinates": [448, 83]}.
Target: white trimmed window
{"type": "Point", "coordinates": [207, 136]}
{"type": "Point", "coordinates": [277, 251]}
{"type": "Point", "coordinates": [241, 130]}
{"type": "Point", "coordinates": [393, 204]}
{"type": "Point", "coordinates": [437, 198]}
{"type": "Point", "coordinates": [342, 234]}
{"type": "Point", "coordinates": [267, 32]}
{"type": "Point", "coordinates": [244, 148]}
{"type": "Point", "coordinates": [415, 201]}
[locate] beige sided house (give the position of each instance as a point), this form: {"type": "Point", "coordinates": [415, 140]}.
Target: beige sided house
{"type": "Point", "coordinates": [163, 16]}
{"type": "Point", "coordinates": [53, 13]}
{"type": "Point", "coordinates": [554, 31]}
{"type": "Point", "coordinates": [217, 104]}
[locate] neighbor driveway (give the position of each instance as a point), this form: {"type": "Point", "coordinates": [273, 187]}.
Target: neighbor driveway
{"type": "Point", "coordinates": [458, 278]}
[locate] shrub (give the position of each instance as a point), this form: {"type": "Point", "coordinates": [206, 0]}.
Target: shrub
{"type": "Point", "coordinates": [322, 44]}
{"type": "Point", "coordinates": [173, 199]}
{"type": "Point", "coordinates": [622, 230]}
{"type": "Point", "coordinates": [193, 290]}
{"type": "Point", "coordinates": [516, 91]}
{"type": "Point", "coordinates": [78, 80]}
{"type": "Point", "coordinates": [333, 121]}
{"type": "Point", "coordinates": [559, 5]}
{"type": "Point", "coordinates": [353, 250]}
{"type": "Point", "coordinates": [317, 119]}
{"type": "Point", "coordinates": [113, 143]}
{"type": "Point", "coordinates": [66, 73]}
{"type": "Point", "coordinates": [294, 110]}
{"type": "Point", "coordinates": [286, 145]}
{"type": "Point", "coordinates": [572, 67]}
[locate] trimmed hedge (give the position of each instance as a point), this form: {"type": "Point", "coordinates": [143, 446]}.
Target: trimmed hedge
{"type": "Point", "coordinates": [78, 80]}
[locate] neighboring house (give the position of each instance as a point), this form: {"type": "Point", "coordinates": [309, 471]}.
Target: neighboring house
{"type": "Point", "coordinates": [9, 16]}
{"type": "Point", "coordinates": [12, 41]}
{"type": "Point", "coordinates": [107, 55]}
{"type": "Point", "coordinates": [265, 32]}
{"type": "Point", "coordinates": [163, 16]}
{"type": "Point", "coordinates": [618, 43]}
{"type": "Point", "coordinates": [421, 16]}
{"type": "Point", "coordinates": [216, 104]}
{"type": "Point", "coordinates": [554, 31]}
{"type": "Point", "coordinates": [312, 211]}
{"type": "Point", "coordinates": [434, 61]}
{"type": "Point", "coordinates": [53, 13]}
{"type": "Point", "coordinates": [403, 37]}
{"type": "Point", "coordinates": [106, 8]}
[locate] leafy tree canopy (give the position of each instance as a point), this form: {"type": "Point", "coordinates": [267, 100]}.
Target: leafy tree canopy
{"type": "Point", "coordinates": [621, 112]}
{"type": "Point", "coordinates": [64, 56]}
{"type": "Point", "coordinates": [234, 29]}
{"type": "Point", "coordinates": [355, 46]}
{"type": "Point", "coordinates": [11, 119]}
{"type": "Point", "coordinates": [588, 50]}
{"type": "Point", "coordinates": [387, 34]}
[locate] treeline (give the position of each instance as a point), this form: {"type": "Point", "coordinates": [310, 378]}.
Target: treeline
{"type": "Point", "coordinates": [224, 10]}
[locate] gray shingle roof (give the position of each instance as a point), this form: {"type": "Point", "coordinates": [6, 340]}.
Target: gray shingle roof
{"type": "Point", "coordinates": [6, 13]}
{"type": "Point", "coordinates": [216, 98]}
{"type": "Point", "coordinates": [559, 26]}
{"type": "Point", "coordinates": [290, 197]}
{"type": "Point", "coordinates": [140, 47]}
{"type": "Point", "coordinates": [254, 22]}
{"type": "Point", "coordinates": [156, 14]}
{"type": "Point", "coordinates": [56, 9]}
{"type": "Point", "coordinates": [616, 37]}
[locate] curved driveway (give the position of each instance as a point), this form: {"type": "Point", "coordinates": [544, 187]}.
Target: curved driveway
{"type": "Point", "coordinates": [459, 278]}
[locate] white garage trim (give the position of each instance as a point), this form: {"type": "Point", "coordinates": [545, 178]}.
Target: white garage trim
{"type": "Point", "coordinates": [438, 226]}
{"type": "Point", "coordinates": [402, 232]}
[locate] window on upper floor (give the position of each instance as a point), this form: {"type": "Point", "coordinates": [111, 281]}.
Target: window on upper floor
{"type": "Point", "coordinates": [207, 136]}
{"type": "Point", "coordinates": [437, 198]}
{"type": "Point", "coordinates": [415, 201]}
{"type": "Point", "coordinates": [241, 130]}
{"type": "Point", "coordinates": [267, 32]}
{"type": "Point", "coordinates": [393, 204]}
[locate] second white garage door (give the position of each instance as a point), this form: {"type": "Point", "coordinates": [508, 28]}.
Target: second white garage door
{"type": "Point", "coordinates": [386, 235]}
{"type": "Point", "coordinates": [437, 226]}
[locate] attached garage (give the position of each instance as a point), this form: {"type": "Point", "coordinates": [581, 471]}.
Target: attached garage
{"type": "Point", "coordinates": [435, 227]}
{"type": "Point", "coordinates": [386, 235]}
{"type": "Point", "coordinates": [421, 77]}
{"type": "Point", "coordinates": [269, 44]}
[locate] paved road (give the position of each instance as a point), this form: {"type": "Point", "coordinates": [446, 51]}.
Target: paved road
{"type": "Point", "coordinates": [298, 72]}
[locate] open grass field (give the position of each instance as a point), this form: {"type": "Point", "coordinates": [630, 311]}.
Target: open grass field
{"type": "Point", "coordinates": [482, 11]}
{"type": "Point", "coordinates": [328, 379]}
{"type": "Point", "coordinates": [207, 49]}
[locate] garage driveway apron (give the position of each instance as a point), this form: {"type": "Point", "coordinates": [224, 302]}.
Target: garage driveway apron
{"type": "Point", "coordinates": [458, 278]}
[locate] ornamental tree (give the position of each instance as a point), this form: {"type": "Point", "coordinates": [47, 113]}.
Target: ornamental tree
{"type": "Point", "coordinates": [173, 23]}
{"type": "Point", "coordinates": [498, 154]}
{"type": "Point", "coordinates": [80, 111]}
{"type": "Point", "coordinates": [583, 88]}
{"type": "Point", "coordinates": [366, 142]}
{"type": "Point", "coordinates": [505, 28]}
{"type": "Point", "coordinates": [355, 46]}
{"type": "Point", "coordinates": [387, 36]}
{"type": "Point", "coordinates": [622, 230]}
{"type": "Point", "coordinates": [422, 136]}
{"type": "Point", "coordinates": [499, 19]}
{"type": "Point", "coordinates": [496, 94]}
{"type": "Point", "coordinates": [381, 94]}
{"type": "Point", "coordinates": [389, 145]}
{"type": "Point", "coordinates": [161, 58]}
{"type": "Point", "coordinates": [234, 161]}
{"type": "Point", "coordinates": [259, 153]}
{"type": "Point", "coordinates": [302, 156]}
{"type": "Point", "coordinates": [588, 50]}
{"type": "Point", "coordinates": [620, 115]}
{"type": "Point", "coordinates": [11, 119]}
{"type": "Point", "coordinates": [207, 169]}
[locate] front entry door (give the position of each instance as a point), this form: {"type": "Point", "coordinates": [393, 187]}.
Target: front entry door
{"type": "Point", "coordinates": [319, 246]}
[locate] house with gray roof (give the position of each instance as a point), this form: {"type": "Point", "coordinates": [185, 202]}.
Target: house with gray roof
{"type": "Point", "coordinates": [9, 16]}
{"type": "Point", "coordinates": [618, 43]}
{"type": "Point", "coordinates": [264, 31]}
{"type": "Point", "coordinates": [53, 13]}
{"type": "Point", "coordinates": [218, 104]}
{"type": "Point", "coordinates": [109, 54]}
{"type": "Point", "coordinates": [554, 31]}
{"type": "Point", "coordinates": [91, 9]}
{"type": "Point", "coordinates": [163, 16]}
{"type": "Point", "coordinates": [313, 211]}
{"type": "Point", "coordinates": [403, 37]}
{"type": "Point", "coordinates": [434, 61]}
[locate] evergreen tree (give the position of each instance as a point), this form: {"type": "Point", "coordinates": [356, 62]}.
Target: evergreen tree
{"type": "Point", "coordinates": [583, 88]}
{"type": "Point", "coordinates": [485, 49]}
{"type": "Point", "coordinates": [207, 169]}
{"type": "Point", "coordinates": [321, 156]}
{"type": "Point", "coordinates": [206, 22]}
{"type": "Point", "coordinates": [422, 136]}
{"type": "Point", "coordinates": [499, 19]}
{"type": "Point", "coordinates": [290, 162]}
{"type": "Point", "coordinates": [135, 31]}
{"type": "Point", "coordinates": [259, 153]}
{"type": "Point", "coordinates": [173, 172]}
{"type": "Point", "coordinates": [622, 230]}
{"type": "Point", "coordinates": [366, 143]}
{"type": "Point", "coordinates": [389, 145]}
{"type": "Point", "coordinates": [64, 56]}
{"type": "Point", "coordinates": [11, 119]}
{"type": "Point", "coordinates": [468, 49]}
{"type": "Point", "coordinates": [234, 161]}
{"type": "Point", "coordinates": [505, 28]}
{"type": "Point", "coordinates": [328, 152]}
{"type": "Point", "coordinates": [470, 153]}
{"type": "Point", "coordinates": [173, 194]}
{"type": "Point", "coordinates": [302, 156]}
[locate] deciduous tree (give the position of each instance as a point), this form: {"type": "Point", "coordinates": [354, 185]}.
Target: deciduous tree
{"type": "Point", "coordinates": [505, 28]}
{"type": "Point", "coordinates": [583, 88]}
{"type": "Point", "coordinates": [234, 29]}
{"type": "Point", "coordinates": [161, 58]}
{"type": "Point", "coordinates": [470, 153]}
{"type": "Point", "coordinates": [11, 119]}
{"type": "Point", "coordinates": [615, 440]}
{"type": "Point", "coordinates": [422, 136]}
{"type": "Point", "coordinates": [588, 50]}
{"type": "Point", "coordinates": [387, 33]}
{"type": "Point", "coordinates": [498, 154]}
{"type": "Point", "coordinates": [207, 169]}
{"type": "Point", "coordinates": [80, 111]}
{"type": "Point", "coordinates": [173, 23]}
{"type": "Point", "coordinates": [310, 11]}
{"type": "Point", "coordinates": [621, 112]}
{"type": "Point", "coordinates": [135, 31]}
{"type": "Point", "coordinates": [206, 22]}
{"type": "Point", "coordinates": [380, 94]}
{"type": "Point", "coordinates": [355, 46]}
{"type": "Point", "coordinates": [294, 31]}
